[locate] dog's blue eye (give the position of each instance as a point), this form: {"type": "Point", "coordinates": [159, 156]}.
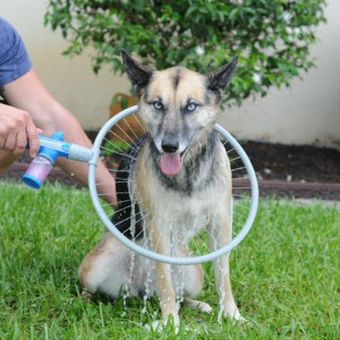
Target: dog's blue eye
{"type": "Point", "coordinates": [158, 106]}
{"type": "Point", "coordinates": [191, 107]}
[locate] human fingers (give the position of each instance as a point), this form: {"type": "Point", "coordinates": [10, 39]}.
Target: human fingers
{"type": "Point", "coordinates": [33, 138]}
{"type": "Point", "coordinates": [11, 140]}
{"type": "Point", "coordinates": [3, 136]}
{"type": "Point", "coordinates": [21, 142]}
{"type": "Point", "coordinates": [10, 126]}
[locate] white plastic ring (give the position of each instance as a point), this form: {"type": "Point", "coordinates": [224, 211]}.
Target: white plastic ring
{"type": "Point", "coordinates": [152, 254]}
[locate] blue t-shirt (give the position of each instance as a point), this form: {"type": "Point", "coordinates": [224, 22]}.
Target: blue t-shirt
{"type": "Point", "coordinates": [14, 59]}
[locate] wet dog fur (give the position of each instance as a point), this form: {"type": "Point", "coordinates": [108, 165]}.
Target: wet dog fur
{"type": "Point", "coordinates": [180, 177]}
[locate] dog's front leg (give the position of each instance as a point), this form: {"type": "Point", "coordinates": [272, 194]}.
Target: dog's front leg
{"type": "Point", "coordinates": [220, 236]}
{"type": "Point", "coordinates": [167, 294]}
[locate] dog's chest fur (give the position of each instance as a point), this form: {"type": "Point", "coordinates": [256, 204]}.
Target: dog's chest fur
{"type": "Point", "coordinates": [186, 202]}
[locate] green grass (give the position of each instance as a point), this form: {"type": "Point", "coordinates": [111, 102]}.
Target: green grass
{"type": "Point", "coordinates": [285, 274]}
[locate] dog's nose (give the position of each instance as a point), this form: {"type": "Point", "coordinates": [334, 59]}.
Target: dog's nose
{"type": "Point", "coordinates": [169, 144]}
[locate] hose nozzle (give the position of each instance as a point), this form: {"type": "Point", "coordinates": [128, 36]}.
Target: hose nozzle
{"type": "Point", "coordinates": [42, 164]}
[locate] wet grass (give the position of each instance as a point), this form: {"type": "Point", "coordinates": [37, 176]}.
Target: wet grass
{"type": "Point", "coordinates": [285, 275]}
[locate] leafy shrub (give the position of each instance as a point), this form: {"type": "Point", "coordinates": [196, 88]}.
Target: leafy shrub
{"type": "Point", "coordinates": [271, 38]}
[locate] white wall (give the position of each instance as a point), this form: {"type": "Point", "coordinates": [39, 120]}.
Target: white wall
{"type": "Point", "coordinates": [308, 112]}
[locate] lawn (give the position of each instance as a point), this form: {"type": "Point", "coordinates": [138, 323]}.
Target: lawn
{"type": "Point", "coordinates": [285, 274]}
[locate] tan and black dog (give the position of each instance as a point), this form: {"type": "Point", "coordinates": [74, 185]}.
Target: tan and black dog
{"type": "Point", "coordinates": [177, 178]}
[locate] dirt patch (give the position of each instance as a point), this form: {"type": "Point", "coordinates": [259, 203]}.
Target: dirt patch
{"type": "Point", "coordinates": [294, 162]}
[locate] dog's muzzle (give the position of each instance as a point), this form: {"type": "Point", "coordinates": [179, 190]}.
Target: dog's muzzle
{"type": "Point", "coordinates": [170, 143]}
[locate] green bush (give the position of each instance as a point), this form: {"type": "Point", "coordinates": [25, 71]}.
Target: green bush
{"type": "Point", "coordinates": [271, 37]}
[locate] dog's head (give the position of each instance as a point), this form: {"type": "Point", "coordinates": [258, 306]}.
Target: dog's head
{"type": "Point", "coordinates": [177, 106]}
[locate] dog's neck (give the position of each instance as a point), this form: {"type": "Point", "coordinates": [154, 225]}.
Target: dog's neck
{"type": "Point", "coordinates": [197, 170]}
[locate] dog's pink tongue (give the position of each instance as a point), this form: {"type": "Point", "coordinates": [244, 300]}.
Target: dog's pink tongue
{"type": "Point", "coordinates": [171, 163]}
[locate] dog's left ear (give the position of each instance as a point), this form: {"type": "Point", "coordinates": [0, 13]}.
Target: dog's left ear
{"type": "Point", "coordinates": [219, 79]}
{"type": "Point", "coordinates": [138, 74]}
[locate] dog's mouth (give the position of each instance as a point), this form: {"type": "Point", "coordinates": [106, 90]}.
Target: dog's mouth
{"type": "Point", "coordinates": [171, 163]}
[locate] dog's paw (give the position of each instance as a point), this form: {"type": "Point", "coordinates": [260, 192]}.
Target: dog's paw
{"type": "Point", "coordinates": [204, 307]}
{"type": "Point", "coordinates": [159, 325]}
{"type": "Point", "coordinates": [86, 295]}
{"type": "Point", "coordinates": [199, 305]}
{"type": "Point", "coordinates": [235, 315]}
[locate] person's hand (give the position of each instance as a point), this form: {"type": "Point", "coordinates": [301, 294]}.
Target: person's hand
{"type": "Point", "coordinates": [16, 130]}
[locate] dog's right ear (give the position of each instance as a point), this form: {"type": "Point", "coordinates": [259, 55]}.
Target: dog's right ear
{"type": "Point", "coordinates": [220, 79]}
{"type": "Point", "coordinates": [138, 74]}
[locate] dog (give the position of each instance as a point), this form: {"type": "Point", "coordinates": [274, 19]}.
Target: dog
{"type": "Point", "coordinates": [177, 177]}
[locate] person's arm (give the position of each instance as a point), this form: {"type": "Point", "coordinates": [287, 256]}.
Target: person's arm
{"type": "Point", "coordinates": [16, 129]}
{"type": "Point", "coordinates": [16, 126]}
{"type": "Point", "coordinates": [29, 94]}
